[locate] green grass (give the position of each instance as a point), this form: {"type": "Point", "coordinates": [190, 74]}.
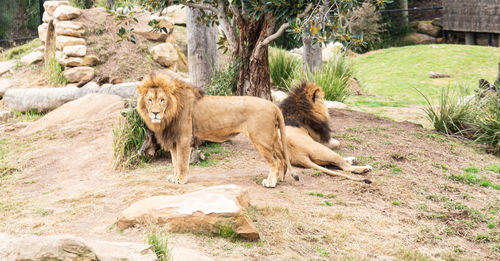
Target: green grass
{"type": "Point", "coordinates": [55, 72]}
{"type": "Point", "coordinates": [160, 245]}
{"type": "Point", "coordinates": [128, 137]}
{"type": "Point", "coordinates": [396, 72]}
{"type": "Point", "coordinates": [19, 51]}
{"type": "Point", "coordinates": [396, 203]}
{"type": "Point", "coordinates": [282, 67]}
{"type": "Point", "coordinates": [316, 194]}
{"type": "Point", "coordinates": [495, 168]}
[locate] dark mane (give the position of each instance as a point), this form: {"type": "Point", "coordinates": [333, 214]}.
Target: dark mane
{"type": "Point", "coordinates": [298, 110]}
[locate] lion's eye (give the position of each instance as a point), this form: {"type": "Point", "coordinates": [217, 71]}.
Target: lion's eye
{"type": "Point", "coordinates": [150, 101]}
{"type": "Point", "coordinates": [162, 101]}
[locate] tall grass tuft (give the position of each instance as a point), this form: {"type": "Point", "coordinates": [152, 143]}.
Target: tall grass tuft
{"type": "Point", "coordinates": [19, 51]}
{"type": "Point", "coordinates": [452, 113]}
{"type": "Point", "coordinates": [160, 245]}
{"type": "Point", "coordinates": [224, 81]}
{"type": "Point", "coordinates": [333, 77]}
{"type": "Point", "coordinates": [55, 72]}
{"type": "Point", "coordinates": [283, 68]}
{"type": "Point", "coordinates": [128, 136]}
{"type": "Point", "coordinates": [487, 120]}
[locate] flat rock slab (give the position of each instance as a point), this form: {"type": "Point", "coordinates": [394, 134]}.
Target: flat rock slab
{"type": "Point", "coordinates": [205, 211]}
{"type": "Point", "coordinates": [69, 247]}
{"type": "Point", "coordinates": [335, 105]}
{"type": "Point", "coordinates": [6, 66]}
{"type": "Point", "coordinates": [32, 58]}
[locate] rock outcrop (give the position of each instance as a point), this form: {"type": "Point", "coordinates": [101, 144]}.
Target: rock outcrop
{"type": "Point", "coordinates": [212, 210]}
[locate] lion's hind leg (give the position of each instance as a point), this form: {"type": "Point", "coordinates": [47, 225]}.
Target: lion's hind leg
{"type": "Point", "coordinates": [266, 149]}
{"type": "Point", "coordinates": [325, 156]}
{"type": "Point", "coordinates": [306, 162]}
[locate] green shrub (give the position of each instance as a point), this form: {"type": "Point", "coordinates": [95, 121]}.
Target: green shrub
{"type": "Point", "coordinates": [128, 137]}
{"type": "Point", "coordinates": [333, 77]}
{"type": "Point", "coordinates": [453, 111]}
{"type": "Point", "coordinates": [160, 245]}
{"type": "Point", "coordinates": [224, 81]}
{"type": "Point", "coordinates": [366, 20]}
{"type": "Point", "coordinates": [283, 68]}
{"type": "Point", "coordinates": [55, 72]}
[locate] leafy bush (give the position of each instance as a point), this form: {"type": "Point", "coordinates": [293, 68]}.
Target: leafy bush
{"type": "Point", "coordinates": [283, 67]}
{"type": "Point", "coordinates": [333, 77]}
{"type": "Point", "coordinates": [224, 81]}
{"type": "Point", "coordinates": [128, 137]}
{"type": "Point", "coordinates": [452, 113]}
{"type": "Point", "coordinates": [366, 20]}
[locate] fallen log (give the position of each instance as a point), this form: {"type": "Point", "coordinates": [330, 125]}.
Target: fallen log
{"type": "Point", "coordinates": [46, 99]}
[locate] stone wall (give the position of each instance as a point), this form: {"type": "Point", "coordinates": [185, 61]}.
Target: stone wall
{"type": "Point", "coordinates": [70, 47]}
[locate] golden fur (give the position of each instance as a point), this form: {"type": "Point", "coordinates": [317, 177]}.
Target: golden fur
{"type": "Point", "coordinates": [308, 133]}
{"type": "Point", "coordinates": [176, 111]}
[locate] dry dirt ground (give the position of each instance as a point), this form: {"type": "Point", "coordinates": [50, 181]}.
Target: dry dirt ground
{"type": "Point", "coordinates": [57, 177]}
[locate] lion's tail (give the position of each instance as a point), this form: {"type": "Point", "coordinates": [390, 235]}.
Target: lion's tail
{"type": "Point", "coordinates": [281, 125]}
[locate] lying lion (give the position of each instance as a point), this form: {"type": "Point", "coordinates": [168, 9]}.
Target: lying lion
{"type": "Point", "coordinates": [176, 112]}
{"type": "Point", "coordinates": [308, 133]}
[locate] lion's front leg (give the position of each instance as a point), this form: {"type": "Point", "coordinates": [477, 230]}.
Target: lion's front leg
{"type": "Point", "coordinates": [175, 177]}
{"type": "Point", "coordinates": [183, 153]}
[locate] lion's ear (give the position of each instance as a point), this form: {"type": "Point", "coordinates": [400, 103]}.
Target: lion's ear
{"type": "Point", "coordinates": [315, 95]}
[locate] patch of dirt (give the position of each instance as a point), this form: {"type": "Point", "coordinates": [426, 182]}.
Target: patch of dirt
{"type": "Point", "coordinates": [65, 184]}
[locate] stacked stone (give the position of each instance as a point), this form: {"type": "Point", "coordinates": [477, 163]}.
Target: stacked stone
{"type": "Point", "coordinates": [71, 50]}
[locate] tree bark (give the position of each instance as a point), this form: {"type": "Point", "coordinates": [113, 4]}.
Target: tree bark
{"type": "Point", "coordinates": [254, 78]}
{"type": "Point", "coordinates": [203, 58]}
{"type": "Point", "coordinates": [311, 53]}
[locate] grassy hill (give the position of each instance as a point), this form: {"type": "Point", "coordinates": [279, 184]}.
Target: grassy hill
{"type": "Point", "coordinates": [391, 74]}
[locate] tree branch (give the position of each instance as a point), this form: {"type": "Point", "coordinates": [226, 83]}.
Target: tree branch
{"type": "Point", "coordinates": [282, 29]}
{"type": "Point", "coordinates": [201, 6]}
{"type": "Point", "coordinates": [227, 28]}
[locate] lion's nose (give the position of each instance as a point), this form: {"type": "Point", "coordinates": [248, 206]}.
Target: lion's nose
{"type": "Point", "coordinates": [156, 114]}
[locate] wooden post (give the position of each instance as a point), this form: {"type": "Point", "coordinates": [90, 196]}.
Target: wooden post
{"type": "Point", "coordinates": [469, 38]}
{"type": "Point", "coordinates": [498, 76]}
{"type": "Point", "coordinates": [404, 14]}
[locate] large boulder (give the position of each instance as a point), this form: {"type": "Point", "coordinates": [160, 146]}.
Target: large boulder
{"type": "Point", "coordinates": [75, 50]}
{"type": "Point", "coordinates": [417, 38]}
{"type": "Point", "coordinates": [426, 27]}
{"type": "Point", "coordinates": [177, 14]}
{"type": "Point", "coordinates": [7, 66]}
{"type": "Point", "coordinates": [71, 61]}
{"type": "Point", "coordinates": [69, 247]}
{"type": "Point", "coordinates": [33, 57]}
{"type": "Point", "coordinates": [63, 41]}
{"type": "Point", "coordinates": [69, 28]}
{"type": "Point", "coordinates": [77, 74]}
{"type": "Point", "coordinates": [208, 211]}
{"type": "Point", "coordinates": [90, 60]}
{"type": "Point", "coordinates": [42, 32]}
{"type": "Point", "coordinates": [66, 12]}
{"type": "Point", "coordinates": [46, 17]}
{"type": "Point", "coordinates": [165, 54]}
{"type": "Point", "coordinates": [163, 22]}
{"type": "Point", "coordinates": [4, 85]}
{"type": "Point", "coordinates": [50, 6]}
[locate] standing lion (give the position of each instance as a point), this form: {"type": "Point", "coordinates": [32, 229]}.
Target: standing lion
{"type": "Point", "coordinates": [308, 132]}
{"type": "Point", "coordinates": [176, 112]}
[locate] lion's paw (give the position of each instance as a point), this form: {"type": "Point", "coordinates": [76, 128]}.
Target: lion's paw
{"type": "Point", "coordinates": [173, 179]}
{"type": "Point", "coordinates": [351, 160]}
{"type": "Point", "coordinates": [267, 184]}
{"type": "Point", "coordinates": [362, 169]}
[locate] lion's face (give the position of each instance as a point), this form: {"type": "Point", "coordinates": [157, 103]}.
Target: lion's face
{"type": "Point", "coordinates": [317, 97]}
{"type": "Point", "coordinates": [156, 103]}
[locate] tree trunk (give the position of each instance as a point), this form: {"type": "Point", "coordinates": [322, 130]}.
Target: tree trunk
{"type": "Point", "coordinates": [404, 14]}
{"type": "Point", "coordinates": [311, 54]}
{"type": "Point", "coordinates": [111, 3]}
{"type": "Point", "coordinates": [254, 78]}
{"type": "Point", "coordinates": [202, 49]}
